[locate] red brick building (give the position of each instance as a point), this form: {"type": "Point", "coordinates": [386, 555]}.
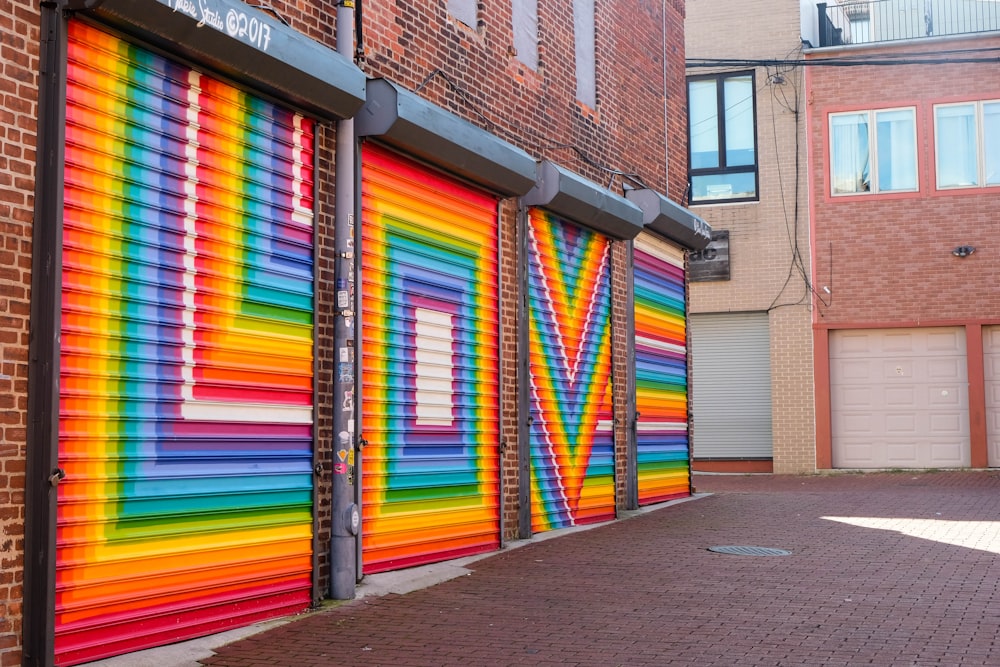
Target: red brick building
{"type": "Point", "coordinates": [204, 342]}
{"type": "Point", "coordinates": [904, 125]}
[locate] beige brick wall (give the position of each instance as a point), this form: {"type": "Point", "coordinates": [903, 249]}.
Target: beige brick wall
{"type": "Point", "coordinates": [769, 239]}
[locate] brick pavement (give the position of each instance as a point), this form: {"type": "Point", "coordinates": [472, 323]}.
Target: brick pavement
{"type": "Point", "coordinates": [887, 569]}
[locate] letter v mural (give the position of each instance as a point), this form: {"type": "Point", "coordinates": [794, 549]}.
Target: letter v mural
{"type": "Point", "coordinates": [569, 347]}
{"type": "Point", "coordinates": [568, 433]}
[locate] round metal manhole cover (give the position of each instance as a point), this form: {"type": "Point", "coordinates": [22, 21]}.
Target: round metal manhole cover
{"type": "Point", "coordinates": [750, 551]}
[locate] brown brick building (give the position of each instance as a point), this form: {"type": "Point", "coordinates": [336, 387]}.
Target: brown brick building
{"type": "Point", "coordinates": [906, 180]}
{"type": "Point", "coordinates": [204, 342]}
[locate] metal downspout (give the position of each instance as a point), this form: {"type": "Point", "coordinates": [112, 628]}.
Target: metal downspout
{"type": "Point", "coordinates": [345, 520]}
{"type": "Point", "coordinates": [631, 411]}
{"type": "Point", "coordinates": [42, 473]}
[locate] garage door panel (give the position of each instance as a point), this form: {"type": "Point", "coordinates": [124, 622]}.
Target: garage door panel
{"type": "Point", "coordinates": [913, 409]}
{"type": "Point", "coordinates": [899, 396]}
{"type": "Point", "coordinates": [991, 368]}
{"type": "Point", "coordinates": [731, 385]}
{"type": "Point", "coordinates": [430, 388]}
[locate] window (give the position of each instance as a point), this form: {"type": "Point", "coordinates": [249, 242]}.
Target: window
{"type": "Point", "coordinates": [893, 151]}
{"type": "Point", "coordinates": [723, 138]}
{"type": "Point", "coordinates": [525, 16]}
{"type": "Point", "coordinates": [464, 11]}
{"type": "Point", "coordinates": [967, 144]}
{"type": "Point", "coordinates": [586, 58]}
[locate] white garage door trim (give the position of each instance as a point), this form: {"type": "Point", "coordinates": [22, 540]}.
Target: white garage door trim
{"type": "Point", "coordinates": [899, 398]}
{"type": "Point", "coordinates": [731, 386]}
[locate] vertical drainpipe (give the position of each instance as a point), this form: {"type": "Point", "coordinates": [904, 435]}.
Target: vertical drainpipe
{"type": "Point", "coordinates": [524, 417]}
{"type": "Point", "coordinates": [42, 474]}
{"type": "Point", "coordinates": [346, 518]}
{"type": "Point", "coordinates": [631, 413]}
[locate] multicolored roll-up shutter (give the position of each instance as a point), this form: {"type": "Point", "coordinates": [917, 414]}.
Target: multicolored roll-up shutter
{"type": "Point", "coordinates": [186, 370]}
{"type": "Point", "coordinates": [569, 347]}
{"type": "Point", "coordinates": [430, 378]}
{"type": "Point", "coordinates": [660, 371]}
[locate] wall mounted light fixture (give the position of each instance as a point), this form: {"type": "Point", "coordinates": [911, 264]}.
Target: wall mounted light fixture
{"type": "Point", "coordinates": [963, 251]}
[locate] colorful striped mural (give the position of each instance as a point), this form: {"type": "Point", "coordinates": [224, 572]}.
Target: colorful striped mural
{"type": "Point", "coordinates": [430, 365]}
{"type": "Point", "coordinates": [186, 367]}
{"type": "Point", "coordinates": [661, 371]}
{"type": "Point", "coordinates": [569, 347]}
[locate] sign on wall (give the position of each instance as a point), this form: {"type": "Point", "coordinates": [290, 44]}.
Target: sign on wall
{"type": "Point", "coordinates": [712, 263]}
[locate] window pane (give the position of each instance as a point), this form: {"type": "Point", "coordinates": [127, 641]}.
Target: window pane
{"type": "Point", "coordinates": [896, 150]}
{"type": "Point", "coordinates": [955, 146]}
{"type": "Point", "coordinates": [586, 63]}
{"type": "Point", "coordinates": [849, 157]}
{"type": "Point", "coordinates": [704, 122]}
{"type": "Point", "coordinates": [723, 186]}
{"type": "Point", "coordinates": [991, 141]}
{"type": "Point", "coordinates": [738, 100]}
{"type": "Point", "coordinates": [464, 11]}
{"type": "Point", "coordinates": [525, 17]}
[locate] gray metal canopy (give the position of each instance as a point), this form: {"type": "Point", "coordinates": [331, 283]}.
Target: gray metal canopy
{"type": "Point", "coordinates": [572, 196]}
{"type": "Point", "coordinates": [243, 43]}
{"type": "Point", "coordinates": [671, 220]}
{"type": "Point", "coordinates": [407, 121]}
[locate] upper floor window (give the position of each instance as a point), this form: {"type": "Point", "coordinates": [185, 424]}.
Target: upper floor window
{"type": "Point", "coordinates": [967, 144]}
{"type": "Point", "coordinates": [584, 37]}
{"type": "Point", "coordinates": [892, 149]}
{"type": "Point", "coordinates": [723, 137]}
{"type": "Point", "coordinates": [464, 11]}
{"type": "Point", "coordinates": [525, 17]}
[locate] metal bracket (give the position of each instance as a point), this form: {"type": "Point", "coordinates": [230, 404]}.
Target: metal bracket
{"type": "Point", "coordinates": [57, 475]}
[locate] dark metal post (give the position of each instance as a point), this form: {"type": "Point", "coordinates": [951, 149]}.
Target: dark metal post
{"type": "Point", "coordinates": [346, 517]}
{"type": "Point", "coordinates": [42, 473]}
{"type": "Point", "coordinates": [631, 413]}
{"type": "Point", "coordinates": [523, 369]}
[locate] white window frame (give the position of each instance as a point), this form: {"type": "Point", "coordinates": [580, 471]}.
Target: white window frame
{"type": "Point", "coordinates": [873, 163]}
{"type": "Point", "coordinates": [980, 146]}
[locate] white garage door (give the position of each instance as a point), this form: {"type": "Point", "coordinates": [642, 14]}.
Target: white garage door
{"type": "Point", "coordinates": [991, 363]}
{"type": "Point", "coordinates": [899, 398]}
{"type": "Point", "coordinates": [731, 386]}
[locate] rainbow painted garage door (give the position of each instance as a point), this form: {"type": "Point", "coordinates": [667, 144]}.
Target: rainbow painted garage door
{"type": "Point", "coordinates": [569, 348]}
{"type": "Point", "coordinates": [430, 369]}
{"type": "Point", "coordinates": [186, 381]}
{"type": "Point", "coordinates": [660, 371]}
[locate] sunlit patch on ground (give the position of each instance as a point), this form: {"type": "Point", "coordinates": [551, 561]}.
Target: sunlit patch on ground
{"type": "Point", "coordinates": [981, 535]}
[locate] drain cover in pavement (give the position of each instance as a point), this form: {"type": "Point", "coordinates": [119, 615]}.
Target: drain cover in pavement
{"type": "Point", "coordinates": [750, 551]}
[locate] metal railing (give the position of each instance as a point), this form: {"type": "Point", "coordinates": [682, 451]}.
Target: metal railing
{"type": "Point", "coordinates": [872, 21]}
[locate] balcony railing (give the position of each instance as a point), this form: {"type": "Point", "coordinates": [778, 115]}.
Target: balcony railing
{"type": "Point", "coordinates": [871, 21]}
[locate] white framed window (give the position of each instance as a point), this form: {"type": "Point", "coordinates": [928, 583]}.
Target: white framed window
{"type": "Point", "coordinates": [967, 144]}
{"type": "Point", "coordinates": [863, 161]}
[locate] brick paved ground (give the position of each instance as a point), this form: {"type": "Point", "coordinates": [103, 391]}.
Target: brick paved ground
{"type": "Point", "coordinates": [887, 569]}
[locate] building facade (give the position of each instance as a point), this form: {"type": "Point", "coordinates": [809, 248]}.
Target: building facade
{"type": "Point", "coordinates": [752, 289]}
{"type": "Point", "coordinates": [904, 136]}
{"type": "Point", "coordinates": [298, 295]}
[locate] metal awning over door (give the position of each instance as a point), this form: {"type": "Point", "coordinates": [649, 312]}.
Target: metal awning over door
{"type": "Point", "coordinates": [186, 368]}
{"type": "Point", "coordinates": [662, 459]}
{"type": "Point", "coordinates": [569, 373]}
{"type": "Point", "coordinates": [430, 364]}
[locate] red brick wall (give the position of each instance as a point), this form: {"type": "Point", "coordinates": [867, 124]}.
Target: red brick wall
{"type": "Point", "coordinates": [890, 255]}
{"type": "Point", "coordinates": [536, 110]}
{"type": "Point", "coordinates": [19, 92]}
{"type": "Point", "coordinates": [484, 82]}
